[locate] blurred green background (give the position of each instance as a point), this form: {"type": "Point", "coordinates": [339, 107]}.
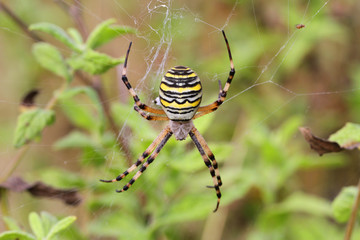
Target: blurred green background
{"type": "Point", "coordinates": [275, 187]}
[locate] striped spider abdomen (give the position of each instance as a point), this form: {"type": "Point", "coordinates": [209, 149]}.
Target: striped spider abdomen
{"type": "Point", "coordinates": [180, 93]}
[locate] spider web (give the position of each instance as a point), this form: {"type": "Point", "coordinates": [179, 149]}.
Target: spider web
{"type": "Point", "coordinates": [152, 54]}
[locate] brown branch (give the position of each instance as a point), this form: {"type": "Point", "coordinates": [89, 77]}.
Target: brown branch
{"type": "Point", "coordinates": [40, 189]}
{"type": "Point", "coordinates": [19, 22]}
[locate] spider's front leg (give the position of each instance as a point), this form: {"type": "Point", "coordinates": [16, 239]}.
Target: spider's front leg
{"type": "Point", "coordinates": [141, 106]}
{"type": "Point", "coordinates": [223, 92]}
{"type": "Point", "coordinates": [149, 116]}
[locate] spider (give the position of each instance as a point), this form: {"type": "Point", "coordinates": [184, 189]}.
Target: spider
{"type": "Point", "coordinates": [180, 96]}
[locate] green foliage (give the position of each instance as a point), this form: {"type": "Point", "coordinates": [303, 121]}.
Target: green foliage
{"type": "Point", "coordinates": [80, 115]}
{"type": "Point", "coordinates": [44, 227]}
{"type": "Point", "coordinates": [343, 204]}
{"type": "Point", "coordinates": [348, 135]}
{"type": "Point", "coordinates": [83, 56]}
{"type": "Point", "coordinates": [93, 62]}
{"type": "Point", "coordinates": [105, 32]}
{"type": "Point", "coordinates": [60, 226]}
{"type": "Point", "coordinates": [19, 235]}
{"type": "Point", "coordinates": [254, 135]}
{"type": "Point", "coordinates": [31, 123]}
{"type": "Point", "coordinates": [74, 139]}
{"type": "Point", "coordinates": [50, 58]}
{"type": "Point", "coordinates": [57, 33]}
{"type": "Point", "coordinates": [62, 178]}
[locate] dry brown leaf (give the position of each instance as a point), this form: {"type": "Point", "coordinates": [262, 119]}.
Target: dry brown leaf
{"type": "Point", "coordinates": [39, 189]}
{"type": "Point", "coordinates": [320, 145]}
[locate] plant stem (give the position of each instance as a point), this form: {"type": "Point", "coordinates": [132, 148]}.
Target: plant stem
{"type": "Point", "coordinates": [4, 202]}
{"type": "Point", "coordinates": [352, 220]}
{"type": "Point", "coordinates": [75, 12]}
{"type": "Point", "coordinates": [15, 162]}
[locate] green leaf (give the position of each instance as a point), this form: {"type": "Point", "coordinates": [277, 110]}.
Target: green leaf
{"type": "Point", "coordinates": [11, 224]}
{"type": "Point", "coordinates": [57, 33]}
{"type": "Point", "coordinates": [289, 127]}
{"type": "Point", "coordinates": [61, 178]}
{"type": "Point", "coordinates": [93, 62]}
{"type": "Point", "coordinates": [104, 33]}
{"type": "Point", "coordinates": [50, 58]}
{"type": "Point", "coordinates": [74, 139]}
{"type": "Point", "coordinates": [119, 225]}
{"type": "Point", "coordinates": [75, 34]}
{"type": "Point", "coordinates": [36, 225]}
{"type": "Point", "coordinates": [203, 123]}
{"type": "Point", "coordinates": [48, 221]}
{"type": "Point", "coordinates": [305, 203]}
{"type": "Point", "coordinates": [343, 203]}
{"type": "Point", "coordinates": [125, 114]}
{"type": "Point", "coordinates": [31, 123]}
{"type": "Point", "coordinates": [83, 116]}
{"type": "Point", "coordinates": [348, 136]}
{"type": "Point", "coordinates": [79, 115]}
{"type": "Point", "coordinates": [88, 91]}
{"type": "Point", "coordinates": [60, 226]}
{"type": "Point", "coordinates": [94, 156]}
{"type": "Point", "coordinates": [18, 235]}
{"type": "Point", "coordinates": [301, 203]}
{"type": "Point", "coordinates": [189, 208]}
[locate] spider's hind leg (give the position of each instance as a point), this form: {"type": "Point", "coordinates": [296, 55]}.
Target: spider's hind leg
{"type": "Point", "coordinates": [151, 158]}
{"type": "Point", "coordinates": [158, 143]}
{"type": "Point", "coordinates": [206, 155]}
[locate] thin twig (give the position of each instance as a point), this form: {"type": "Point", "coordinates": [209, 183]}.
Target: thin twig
{"type": "Point", "coordinates": [75, 13]}
{"type": "Point", "coordinates": [14, 163]}
{"type": "Point", "coordinates": [352, 220]}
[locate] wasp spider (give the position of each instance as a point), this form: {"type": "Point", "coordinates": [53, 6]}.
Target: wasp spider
{"type": "Point", "coordinates": [180, 96]}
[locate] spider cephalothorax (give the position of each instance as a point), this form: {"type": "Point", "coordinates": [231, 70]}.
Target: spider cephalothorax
{"type": "Point", "coordinates": [180, 97]}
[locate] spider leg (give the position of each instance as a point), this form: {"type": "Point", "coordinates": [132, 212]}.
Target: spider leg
{"type": "Point", "coordinates": [132, 91]}
{"type": "Point", "coordinates": [167, 134]}
{"type": "Point", "coordinates": [160, 138]}
{"type": "Point", "coordinates": [194, 134]}
{"type": "Point", "coordinates": [222, 93]}
{"type": "Point", "coordinates": [208, 152]}
{"type": "Point", "coordinates": [149, 116]}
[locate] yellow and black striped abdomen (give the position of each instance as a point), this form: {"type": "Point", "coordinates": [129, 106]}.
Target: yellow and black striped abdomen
{"type": "Point", "coordinates": [180, 93]}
